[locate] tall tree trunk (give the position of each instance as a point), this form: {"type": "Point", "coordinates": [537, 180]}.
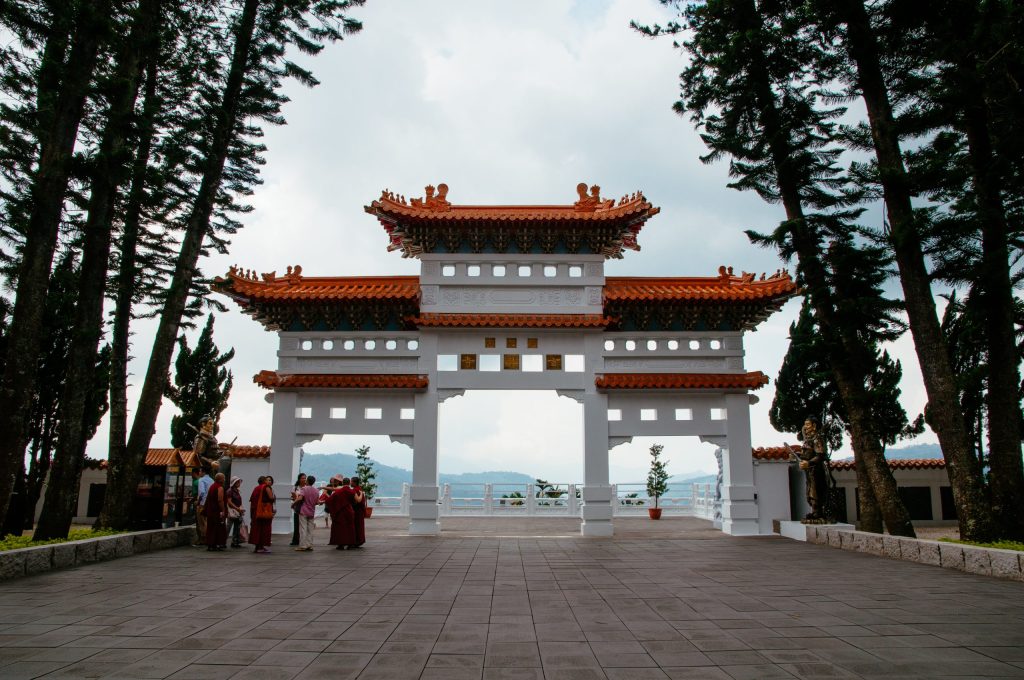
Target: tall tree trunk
{"type": "Point", "coordinates": [1003, 400]}
{"type": "Point", "coordinates": [869, 515]}
{"type": "Point", "coordinates": [122, 478]}
{"type": "Point", "coordinates": [943, 411]}
{"type": "Point", "coordinates": [109, 174]}
{"type": "Point", "coordinates": [49, 186]}
{"type": "Point", "coordinates": [127, 271]}
{"type": "Point", "coordinates": [850, 379]}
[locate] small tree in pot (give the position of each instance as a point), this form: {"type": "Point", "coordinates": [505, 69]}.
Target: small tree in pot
{"type": "Point", "coordinates": [657, 480]}
{"type": "Point", "coordinates": [366, 474]}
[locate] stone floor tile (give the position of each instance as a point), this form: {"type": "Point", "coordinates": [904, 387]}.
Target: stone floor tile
{"type": "Point", "coordinates": [451, 673]}
{"type": "Point", "coordinates": [266, 673]}
{"type": "Point", "coordinates": [24, 670]}
{"type": "Point", "coordinates": [513, 674]}
{"type": "Point", "coordinates": [206, 672]}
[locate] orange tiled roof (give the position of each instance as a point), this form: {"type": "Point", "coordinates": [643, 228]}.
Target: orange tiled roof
{"type": "Point", "coordinates": [775, 452]}
{"type": "Point", "coordinates": [246, 287]}
{"type": "Point", "coordinates": [589, 207]}
{"type": "Point", "coordinates": [897, 464]}
{"type": "Point", "coordinates": [250, 452]}
{"type": "Point", "coordinates": [725, 287]}
{"type": "Point", "coordinates": [677, 381]}
{"type": "Point", "coordinates": [161, 457]}
{"type": "Point", "coordinates": [272, 381]}
{"type": "Point", "coordinates": [511, 320]}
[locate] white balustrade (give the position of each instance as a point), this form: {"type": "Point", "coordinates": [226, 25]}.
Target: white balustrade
{"type": "Point", "coordinates": [558, 500]}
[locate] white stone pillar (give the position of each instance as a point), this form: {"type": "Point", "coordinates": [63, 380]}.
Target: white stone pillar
{"type": "Point", "coordinates": [284, 457]}
{"type": "Point", "coordinates": [597, 492]}
{"type": "Point", "coordinates": [424, 492]}
{"type": "Point", "coordinates": [739, 503]}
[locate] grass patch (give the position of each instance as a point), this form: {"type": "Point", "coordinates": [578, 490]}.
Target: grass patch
{"type": "Point", "coordinates": [12, 542]}
{"type": "Point", "coordinates": [1001, 545]}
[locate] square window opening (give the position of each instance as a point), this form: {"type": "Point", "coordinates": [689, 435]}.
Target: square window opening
{"type": "Point", "coordinates": [525, 270]}
{"type": "Point", "coordinates": [718, 414]}
{"type": "Point", "coordinates": [673, 344]}
{"type": "Point", "coordinates": [652, 345]}
{"type": "Point", "coordinates": [550, 271]}
{"type": "Point", "coordinates": [609, 345]}
{"type": "Point", "coordinates": [648, 414]}
{"type": "Point", "coordinates": [614, 414]}
{"type": "Point", "coordinates": [391, 345]}
{"type": "Point", "coordinates": [490, 363]}
{"type": "Point", "coordinates": [306, 345]}
{"type": "Point", "coordinates": [448, 270]}
{"type": "Point", "coordinates": [532, 363]}
{"type": "Point", "coordinates": [447, 362]}
{"type": "Point", "coordinates": [407, 414]}
{"type": "Point", "coordinates": [328, 345]}
{"type": "Point", "coordinates": [304, 412]}
{"type": "Point", "coordinates": [370, 344]}
{"type": "Point", "coordinates": [473, 270]}
{"type": "Point", "coordinates": [338, 413]}
{"type": "Point", "coordinates": [630, 345]}
{"type": "Point", "coordinates": [695, 344]}
{"type": "Point", "coordinates": [715, 344]}
{"type": "Point", "coordinates": [349, 345]}
{"type": "Point", "coordinates": [498, 270]}
{"type": "Point", "coordinates": [575, 271]}
{"type": "Point", "coordinates": [574, 363]}
{"type": "Point", "coordinates": [374, 413]}
{"type": "Point", "coordinates": [684, 414]}
{"type": "Point", "coordinates": [412, 345]}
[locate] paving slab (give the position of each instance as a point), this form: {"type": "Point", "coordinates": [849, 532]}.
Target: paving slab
{"type": "Point", "coordinates": [514, 599]}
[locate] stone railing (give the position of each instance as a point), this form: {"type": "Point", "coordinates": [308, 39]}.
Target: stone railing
{"type": "Point", "coordinates": [42, 558]}
{"type": "Point", "coordinates": [1008, 564]}
{"type": "Point", "coordinates": [494, 499]}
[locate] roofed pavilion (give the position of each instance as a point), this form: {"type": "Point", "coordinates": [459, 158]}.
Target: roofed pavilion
{"type": "Point", "coordinates": [515, 297]}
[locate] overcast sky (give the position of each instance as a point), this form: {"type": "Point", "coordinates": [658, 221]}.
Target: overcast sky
{"type": "Point", "coordinates": [506, 102]}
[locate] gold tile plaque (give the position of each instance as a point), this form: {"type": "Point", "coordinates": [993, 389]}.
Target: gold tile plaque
{"type": "Point", "coordinates": [511, 362]}
{"type": "Point", "coordinates": [553, 362]}
{"type": "Point", "coordinates": [467, 362]}
{"type": "Point", "coordinates": [488, 342]}
{"type": "Point", "coordinates": [531, 343]}
{"type": "Point", "coordinates": [510, 343]}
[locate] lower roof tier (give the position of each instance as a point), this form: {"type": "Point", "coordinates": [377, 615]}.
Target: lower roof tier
{"type": "Point", "coordinates": [294, 302]}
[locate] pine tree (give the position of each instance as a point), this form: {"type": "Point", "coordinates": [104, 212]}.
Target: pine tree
{"type": "Point", "coordinates": [756, 88]}
{"type": "Point", "coordinates": [365, 471]}
{"type": "Point", "coordinates": [224, 161]}
{"type": "Point", "coordinates": [201, 386]}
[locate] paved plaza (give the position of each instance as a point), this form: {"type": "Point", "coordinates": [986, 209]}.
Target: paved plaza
{"type": "Point", "coordinates": [514, 599]}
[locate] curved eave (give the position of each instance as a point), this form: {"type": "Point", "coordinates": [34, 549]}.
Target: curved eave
{"type": "Point", "coordinates": [271, 380]}
{"type": "Point", "coordinates": [681, 381]}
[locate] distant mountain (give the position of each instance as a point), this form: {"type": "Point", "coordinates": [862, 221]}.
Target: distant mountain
{"type": "Point", "coordinates": [390, 478]}
{"type": "Point", "coordinates": [903, 452]}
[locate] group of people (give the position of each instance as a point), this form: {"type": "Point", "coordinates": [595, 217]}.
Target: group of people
{"type": "Point", "coordinates": [220, 513]}
{"type": "Point", "coordinates": [345, 504]}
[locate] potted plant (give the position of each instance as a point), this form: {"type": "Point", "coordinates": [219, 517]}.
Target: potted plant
{"type": "Point", "coordinates": [366, 475]}
{"type": "Point", "coordinates": [657, 480]}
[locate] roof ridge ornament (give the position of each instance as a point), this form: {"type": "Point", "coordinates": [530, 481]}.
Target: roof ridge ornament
{"type": "Point", "coordinates": [592, 202]}
{"type": "Point", "coordinates": [438, 203]}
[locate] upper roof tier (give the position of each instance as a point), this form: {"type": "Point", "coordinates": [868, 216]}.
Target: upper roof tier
{"type": "Point", "coordinates": [590, 225]}
{"type": "Point", "coordinates": [294, 302]}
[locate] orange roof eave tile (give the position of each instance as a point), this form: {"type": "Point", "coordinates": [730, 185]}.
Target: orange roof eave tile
{"type": "Point", "coordinates": [244, 285]}
{"type": "Point", "coordinates": [713, 289]}
{"type": "Point", "coordinates": [897, 464]}
{"type": "Point", "coordinates": [390, 207]}
{"type": "Point", "coordinates": [432, 320]}
{"type": "Point", "coordinates": [681, 381]}
{"type": "Point", "coordinates": [775, 453]}
{"type": "Point", "coordinates": [271, 380]}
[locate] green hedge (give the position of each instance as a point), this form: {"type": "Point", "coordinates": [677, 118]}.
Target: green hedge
{"type": "Point", "coordinates": [1001, 545]}
{"type": "Point", "coordinates": [12, 542]}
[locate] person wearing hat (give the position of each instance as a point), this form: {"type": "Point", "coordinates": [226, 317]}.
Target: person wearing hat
{"type": "Point", "coordinates": [235, 511]}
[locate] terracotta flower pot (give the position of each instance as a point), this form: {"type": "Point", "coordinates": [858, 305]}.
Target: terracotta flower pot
{"type": "Point", "coordinates": [654, 513]}
{"type": "Point", "coordinates": [369, 511]}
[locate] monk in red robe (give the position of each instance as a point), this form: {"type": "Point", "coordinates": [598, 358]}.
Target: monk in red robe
{"type": "Point", "coordinates": [359, 513]}
{"type": "Point", "coordinates": [216, 510]}
{"type": "Point", "coordinates": [262, 495]}
{"type": "Point", "coordinates": [339, 505]}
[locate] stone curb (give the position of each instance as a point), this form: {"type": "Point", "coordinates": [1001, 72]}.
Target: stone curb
{"type": "Point", "coordinates": [1006, 564]}
{"type": "Point", "coordinates": [39, 559]}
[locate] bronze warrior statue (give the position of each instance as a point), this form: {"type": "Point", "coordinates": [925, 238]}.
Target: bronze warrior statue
{"type": "Point", "coordinates": [813, 458]}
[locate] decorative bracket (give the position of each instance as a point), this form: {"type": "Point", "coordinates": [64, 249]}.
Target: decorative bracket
{"type": "Point", "coordinates": [575, 395]}
{"type": "Point", "coordinates": [718, 440]}
{"type": "Point", "coordinates": [401, 439]}
{"type": "Point", "coordinates": [301, 439]}
{"type": "Point", "coordinates": [615, 441]}
{"type": "Point", "coordinates": [445, 395]}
